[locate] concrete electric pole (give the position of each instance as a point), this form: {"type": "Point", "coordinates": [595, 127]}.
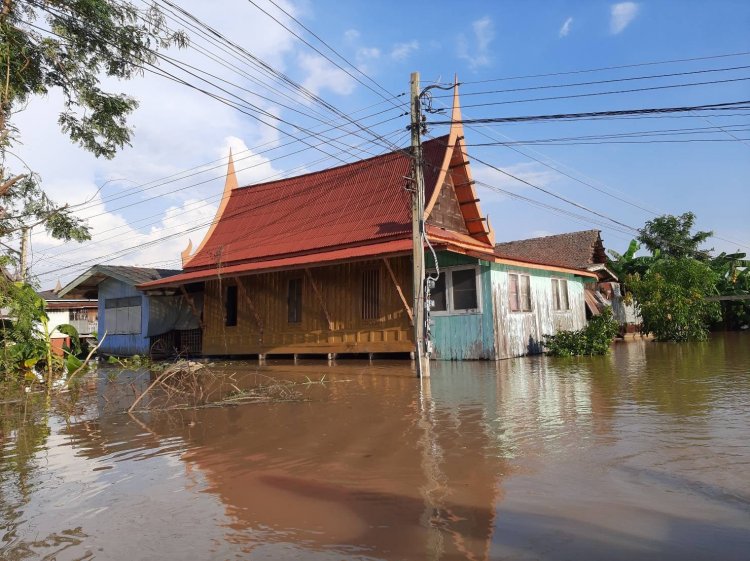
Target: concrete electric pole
{"type": "Point", "coordinates": [418, 231]}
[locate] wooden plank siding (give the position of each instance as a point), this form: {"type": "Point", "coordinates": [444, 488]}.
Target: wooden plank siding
{"type": "Point", "coordinates": [520, 333]}
{"type": "Point", "coordinates": [122, 344]}
{"type": "Point", "coordinates": [466, 336]}
{"type": "Point", "coordinates": [496, 332]}
{"type": "Point", "coordinates": [262, 315]}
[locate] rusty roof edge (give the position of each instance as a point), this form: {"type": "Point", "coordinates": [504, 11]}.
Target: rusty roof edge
{"type": "Point", "coordinates": [215, 272]}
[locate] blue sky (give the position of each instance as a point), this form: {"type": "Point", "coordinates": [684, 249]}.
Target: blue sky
{"type": "Point", "coordinates": [177, 128]}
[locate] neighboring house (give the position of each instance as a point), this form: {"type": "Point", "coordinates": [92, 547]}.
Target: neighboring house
{"type": "Point", "coordinates": [133, 321]}
{"type": "Point", "coordinates": [321, 263]}
{"type": "Point", "coordinates": [579, 250]}
{"type": "Point", "coordinates": [81, 313]}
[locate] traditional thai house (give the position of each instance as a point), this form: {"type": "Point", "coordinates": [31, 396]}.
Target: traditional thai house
{"type": "Point", "coordinates": [321, 263]}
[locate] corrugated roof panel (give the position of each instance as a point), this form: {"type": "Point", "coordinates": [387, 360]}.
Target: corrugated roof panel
{"type": "Point", "coordinates": [348, 205]}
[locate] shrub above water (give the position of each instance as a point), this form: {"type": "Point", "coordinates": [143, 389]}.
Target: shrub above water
{"type": "Point", "coordinates": [594, 339]}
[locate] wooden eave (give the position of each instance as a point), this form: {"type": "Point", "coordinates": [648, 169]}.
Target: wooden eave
{"type": "Point", "coordinates": [456, 163]}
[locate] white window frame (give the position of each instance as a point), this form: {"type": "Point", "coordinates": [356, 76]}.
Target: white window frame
{"type": "Point", "coordinates": [448, 272]}
{"type": "Point", "coordinates": [559, 280]}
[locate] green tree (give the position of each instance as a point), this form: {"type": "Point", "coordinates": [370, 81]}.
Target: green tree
{"type": "Point", "coordinates": [671, 298]}
{"type": "Point", "coordinates": [733, 272]}
{"type": "Point", "coordinates": [68, 46]}
{"type": "Point", "coordinates": [671, 236]}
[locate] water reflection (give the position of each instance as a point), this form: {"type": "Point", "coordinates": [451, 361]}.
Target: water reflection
{"type": "Point", "coordinates": [641, 454]}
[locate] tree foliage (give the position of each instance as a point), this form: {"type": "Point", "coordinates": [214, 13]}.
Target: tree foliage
{"type": "Point", "coordinates": [671, 297]}
{"type": "Point", "coordinates": [671, 236]}
{"type": "Point", "coordinates": [68, 46]}
{"type": "Point", "coordinates": [594, 339]}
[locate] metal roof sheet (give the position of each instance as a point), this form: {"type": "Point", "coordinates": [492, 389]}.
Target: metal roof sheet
{"type": "Point", "coordinates": [347, 205]}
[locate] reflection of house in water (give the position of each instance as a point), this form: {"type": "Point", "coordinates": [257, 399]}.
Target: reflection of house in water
{"type": "Point", "coordinates": [402, 478]}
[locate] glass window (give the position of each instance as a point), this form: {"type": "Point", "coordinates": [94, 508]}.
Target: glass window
{"type": "Point", "coordinates": [438, 295]}
{"type": "Point", "coordinates": [464, 289]}
{"type": "Point", "coordinates": [294, 301]}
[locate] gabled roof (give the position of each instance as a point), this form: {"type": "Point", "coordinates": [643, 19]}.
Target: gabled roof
{"type": "Point", "coordinates": [360, 210]}
{"type": "Point", "coordinates": [575, 250]}
{"type": "Point", "coordinates": [86, 285]}
{"type": "Point", "coordinates": [356, 204]}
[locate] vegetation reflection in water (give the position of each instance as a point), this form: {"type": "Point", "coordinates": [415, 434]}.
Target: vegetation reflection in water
{"type": "Point", "coordinates": [640, 454]}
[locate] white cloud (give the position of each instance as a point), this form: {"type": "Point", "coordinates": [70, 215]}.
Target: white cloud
{"type": "Point", "coordinates": [351, 35]}
{"type": "Point", "coordinates": [484, 33]}
{"type": "Point", "coordinates": [565, 29]}
{"type": "Point", "coordinates": [175, 128]}
{"type": "Point", "coordinates": [529, 171]}
{"type": "Point", "coordinates": [621, 15]}
{"type": "Point", "coordinates": [402, 51]}
{"type": "Point", "coordinates": [321, 74]}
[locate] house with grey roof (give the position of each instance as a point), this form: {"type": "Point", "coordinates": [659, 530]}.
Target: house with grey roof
{"type": "Point", "coordinates": [159, 322]}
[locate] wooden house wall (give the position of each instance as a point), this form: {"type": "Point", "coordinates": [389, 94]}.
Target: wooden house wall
{"type": "Point", "coordinates": [122, 344]}
{"type": "Point", "coordinates": [465, 336]}
{"type": "Point", "coordinates": [262, 313]}
{"type": "Point", "coordinates": [521, 333]}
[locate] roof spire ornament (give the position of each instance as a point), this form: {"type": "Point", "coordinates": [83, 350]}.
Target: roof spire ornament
{"type": "Point", "coordinates": [230, 184]}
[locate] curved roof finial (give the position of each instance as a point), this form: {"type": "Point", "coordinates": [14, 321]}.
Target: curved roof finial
{"type": "Point", "coordinates": [185, 254]}
{"type": "Point", "coordinates": [231, 181]}
{"type": "Point", "coordinates": [230, 184]}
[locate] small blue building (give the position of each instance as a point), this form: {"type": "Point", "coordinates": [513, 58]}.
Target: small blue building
{"type": "Point", "coordinates": [134, 322]}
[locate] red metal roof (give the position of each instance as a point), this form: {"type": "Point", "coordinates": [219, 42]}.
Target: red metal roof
{"type": "Point", "coordinates": [348, 205]}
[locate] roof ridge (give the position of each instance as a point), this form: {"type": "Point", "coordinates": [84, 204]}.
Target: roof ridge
{"type": "Point", "coordinates": [340, 167]}
{"type": "Point", "coordinates": [550, 236]}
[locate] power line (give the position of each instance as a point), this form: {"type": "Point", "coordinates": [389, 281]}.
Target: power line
{"type": "Point", "coordinates": [604, 141]}
{"type": "Point", "coordinates": [205, 202]}
{"type": "Point", "coordinates": [596, 82]}
{"type": "Point", "coordinates": [560, 116]}
{"type": "Point", "coordinates": [614, 92]}
{"type": "Point", "coordinates": [241, 211]}
{"type": "Point", "coordinates": [633, 134]}
{"type": "Point", "coordinates": [325, 44]}
{"type": "Point", "coordinates": [603, 68]}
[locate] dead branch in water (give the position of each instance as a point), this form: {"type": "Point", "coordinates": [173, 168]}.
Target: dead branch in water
{"type": "Point", "coordinates": [191, 385]}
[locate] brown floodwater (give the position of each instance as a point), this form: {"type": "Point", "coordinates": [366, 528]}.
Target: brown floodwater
{"type": "Point", "coordinates": [643, 454]}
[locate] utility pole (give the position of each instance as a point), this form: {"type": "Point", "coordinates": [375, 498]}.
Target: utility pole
{"type": "Point", "coordinates": [418, 231]}
{"type": "Point", "coordinates": [24, 254]}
